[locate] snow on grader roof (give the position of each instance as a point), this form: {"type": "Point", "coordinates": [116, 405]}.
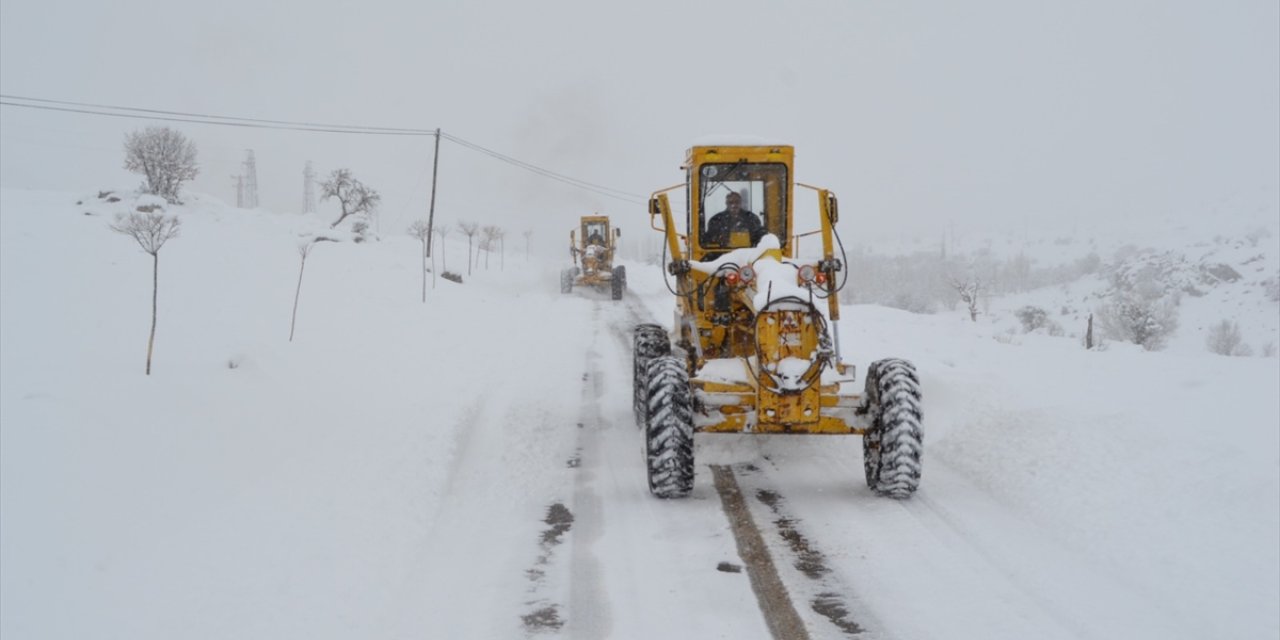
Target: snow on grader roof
{"type": "Point", "coordinates": [735, 140]}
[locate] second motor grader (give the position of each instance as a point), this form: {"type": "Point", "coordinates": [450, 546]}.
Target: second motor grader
{"type": "Point", "coordinates": [593, 258]}
{"type": "Point", "coordinates": [755, 346]}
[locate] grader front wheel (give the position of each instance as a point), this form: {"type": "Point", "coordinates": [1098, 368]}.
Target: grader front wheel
{"type": "Point", "coordinates": [669, 428]}
{"type": "Point", "coordinates": [892, 449]}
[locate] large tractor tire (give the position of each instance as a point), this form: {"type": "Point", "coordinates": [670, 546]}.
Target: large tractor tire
{"type": "Point", "coordinates": [892, 449]}
{"type": "Point", "coordinates": [566, 280]}
{"type": "Point", "coordinates": [649, 341]}
{"type": "Point", "coordinates": [618, 282]}
{"type": "Point", "coordinates": [669, 428]}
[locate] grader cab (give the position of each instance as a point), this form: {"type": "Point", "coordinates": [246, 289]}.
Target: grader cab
{"type": "Point", "coordinates": [755, 346]}
{"type": "Point", "coordinates": [593, 256]}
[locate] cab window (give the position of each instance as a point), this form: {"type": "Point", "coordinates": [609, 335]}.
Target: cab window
{"type": "Point", "coordinates": [759, 188]}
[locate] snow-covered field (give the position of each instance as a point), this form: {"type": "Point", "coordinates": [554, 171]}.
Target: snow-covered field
{"type": "Point", "coordinates": [469, 467]}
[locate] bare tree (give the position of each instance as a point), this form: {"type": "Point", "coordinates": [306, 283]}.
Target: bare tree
{"type": "Point", "coordinates": [420, 231]}
{"type": "Point", "coordinates": [165, 156]}
{"type": "Point", "coordinates": [304, 249]}
{"type": "Point", "coordinates": [528, 233]}
{"type": "Point", "coordinates": [353, 196]}
{"type": "Point", "coordinates": [469, 229]}
{"type": "Point", "coordinates": [489, 236]}
{"type": "Point", "coordinates": [969, 290]}
{"type": "Point", "coordinates": [150, 231]}
{"type": "Point", "coordinates": [502, 249]}
{"type": "Point", "coordinates": [443, 230]}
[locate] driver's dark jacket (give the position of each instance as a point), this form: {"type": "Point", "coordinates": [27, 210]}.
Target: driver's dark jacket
{"type": "Point", "coordinates": [722, 225]}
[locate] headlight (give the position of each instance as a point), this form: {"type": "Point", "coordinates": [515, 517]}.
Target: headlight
{"type": "Point", "coordinates": [807, 274]}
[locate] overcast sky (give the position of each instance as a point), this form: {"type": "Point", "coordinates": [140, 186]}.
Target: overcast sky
{"type": "Point", "coordinates": [978, 114]}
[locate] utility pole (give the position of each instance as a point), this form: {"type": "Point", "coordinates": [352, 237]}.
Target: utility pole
{"type": "Point", "coordinates": [431, 213]}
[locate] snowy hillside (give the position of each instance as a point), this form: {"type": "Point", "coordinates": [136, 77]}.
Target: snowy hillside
{"type": "Point", "coordinates": [1222, 267]}
{"type": "Point", "coordinates": [468, 467]}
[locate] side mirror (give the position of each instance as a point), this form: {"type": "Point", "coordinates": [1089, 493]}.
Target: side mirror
{"type": "Point", "coordinates": [834, 208]}
{"type": "Point", "coordinates": [653, 206]}
{"type": "Point", "coordinates": [617, 233]}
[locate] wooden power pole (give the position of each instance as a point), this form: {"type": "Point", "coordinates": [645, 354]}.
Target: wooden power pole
{"type": "Point", "coordinates": [431, 213]}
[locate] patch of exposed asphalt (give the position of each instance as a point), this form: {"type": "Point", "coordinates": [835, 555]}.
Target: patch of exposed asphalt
{"type": "Point", "coordinates": [546, 618]}
{"type": "Point", "coordinates": [775, 604]}
{"type": "Point", "coordinates": [808, 560]}
{"type": "Point", "coordinates": [543, 620]}
{"type": "Point", "coordinates": [560, 519]}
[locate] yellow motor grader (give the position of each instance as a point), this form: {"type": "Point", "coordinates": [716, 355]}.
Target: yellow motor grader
{"type": "Point", "coordinates": [755, 347]}
{"type": "Point", "coordinates": [593, 258]}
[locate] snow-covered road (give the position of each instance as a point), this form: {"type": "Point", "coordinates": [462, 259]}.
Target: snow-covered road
{"type": "Point", "coordinates": [470, 467]}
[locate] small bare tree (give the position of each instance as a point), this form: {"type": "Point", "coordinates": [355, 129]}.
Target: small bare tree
{"type": "Point", "coordinates": [165, 156]}
{"type": "Point", "coordinates": [489, 237]}
{"type": "Point", "coordinates": [150, 231]}
{"type": "Point", "coordinates": [469, 229]}
{"type": "Point", "coordinates": [969, 290]}
{"type": "Point", "coordinates": [353, 196]}
{"type": "Point", "coordinates": [442, 230]}
{"type": "Point", "coordinates": [304, 249]}
{"type": "Point", "coordinates": [528, 233]}
{"type": "Point", "coordinates": [420, 231]}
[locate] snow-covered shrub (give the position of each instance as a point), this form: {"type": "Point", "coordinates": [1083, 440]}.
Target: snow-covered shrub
{"type": "Point", "coordinates": [1032, 318]}
{"type": "Point", "coordinates": [1269, 350]}
{"type": "Point", "coordinates": [1141, 316]}
{"type": "Point", "coordinates": [1224, 339]}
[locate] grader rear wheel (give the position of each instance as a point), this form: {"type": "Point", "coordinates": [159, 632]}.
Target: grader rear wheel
{"type": "Point", "coordinates": [649, 341]}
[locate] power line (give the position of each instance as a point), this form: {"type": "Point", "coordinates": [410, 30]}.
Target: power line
{"type": "Point", "coordinates": [139, 113]}
{"type": "Point", "coordinates": [196, 120]}
{"type": "Point", "coordinates": [90, 105]}
{"type": "Point", "coordinates": [610, 192]}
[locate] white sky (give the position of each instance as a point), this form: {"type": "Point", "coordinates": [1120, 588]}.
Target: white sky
{"type": "Point", "coordinates": [918, 114]}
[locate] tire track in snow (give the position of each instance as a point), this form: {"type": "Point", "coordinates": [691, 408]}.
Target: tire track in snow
{"type": "Point", "coordinates": [587, 613]}
{"type": "Point", "coordinates": [588, 605]}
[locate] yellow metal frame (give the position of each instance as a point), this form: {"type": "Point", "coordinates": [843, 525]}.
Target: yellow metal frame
{"type": "Point", "coordinates": [707, 333]}
{"type": "Point", "coordinates": [601, 273]}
